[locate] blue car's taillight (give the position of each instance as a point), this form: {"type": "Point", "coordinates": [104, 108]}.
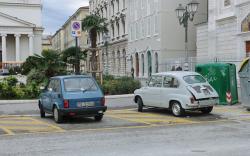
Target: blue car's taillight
{"type": "Point", "coordinates": [66, 103]}
{"type": "Point", "coordinates": [103, 101]}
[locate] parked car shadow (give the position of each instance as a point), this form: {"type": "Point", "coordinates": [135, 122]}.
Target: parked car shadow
{"type": "Point", "coordinates": [195, 115]}
{"type": "Point", "coordinates": [75, 120]}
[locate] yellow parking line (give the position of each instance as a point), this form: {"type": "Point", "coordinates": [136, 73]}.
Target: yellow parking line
{"type": "Point", "coordinates": [50, 125]}
{"type": "Point", "coordinates": [19, 122]}
{"type": "Point", "coordinates": [7, 131]}
{"type": "Point", "coordinates": [129, 120]}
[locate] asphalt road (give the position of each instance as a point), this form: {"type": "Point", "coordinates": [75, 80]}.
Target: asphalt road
{"type": "Point", "coordinates": [220, 139]}
{"type": "Point", "coordinates": [125, 132]}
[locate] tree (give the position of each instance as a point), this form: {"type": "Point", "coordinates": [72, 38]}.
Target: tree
{"type": "Point", "coordinates": [73, 56]}
{"type": "Point", "coordinates": [94, 24]}
{"type": "Point", "coordinates": [49, 64]}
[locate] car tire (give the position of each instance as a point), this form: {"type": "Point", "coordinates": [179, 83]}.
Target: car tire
{"type": "Point", "coordinates": [42, 112]}
{"type": "Point", "coordinates": [207, 110]}
{"type": "Point", "coordinates": [57, 117]}
{"type": "Point", "coordinates": [140, 105]}
{"type": "Point", "coordinates": [99, 117]}
{"type": "Point", "coordinates": [177, 109]}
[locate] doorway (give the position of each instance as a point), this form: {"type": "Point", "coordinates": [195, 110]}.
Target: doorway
{"type": "Point", "coordinates": [248, 48]}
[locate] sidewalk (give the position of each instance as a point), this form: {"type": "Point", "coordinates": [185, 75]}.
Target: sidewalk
{"type": "Point", "coordinates": [4, 102]}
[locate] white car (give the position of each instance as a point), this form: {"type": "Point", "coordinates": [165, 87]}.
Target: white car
{"type": "Point", "coordinates": [178, 91]}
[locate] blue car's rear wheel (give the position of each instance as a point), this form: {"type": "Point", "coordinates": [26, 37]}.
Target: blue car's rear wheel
{"type": "Point", "coordinates": [98, 117]}
{"type": "Point", "coordinates": [57, 116]}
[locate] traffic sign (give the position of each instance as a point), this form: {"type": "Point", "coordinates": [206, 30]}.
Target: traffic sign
{"type": "Point", "coordinates": [76, 28]}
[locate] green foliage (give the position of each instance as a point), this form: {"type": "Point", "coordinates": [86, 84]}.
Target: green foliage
{"type": "Point", "coordinates": [73, 56]}
{"type": "Point", "coordinates": [11, 89]}
{"type": "Point", "coordinates": [94, 22]}
{"type": "Point", "coordinates": [49, 63]}
{"type": "Point", "coordinates": [124, 85]}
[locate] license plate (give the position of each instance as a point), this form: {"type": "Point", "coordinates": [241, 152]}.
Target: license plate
{"type": "Point", "coordinates": [85, 104]}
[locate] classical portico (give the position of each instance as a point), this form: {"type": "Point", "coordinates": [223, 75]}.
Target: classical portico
{"type": "Point", "coordinates": [20, 31]}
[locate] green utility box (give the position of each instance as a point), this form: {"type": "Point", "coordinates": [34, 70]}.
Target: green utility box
{"type": "Point", "coordinates": [222, 76]}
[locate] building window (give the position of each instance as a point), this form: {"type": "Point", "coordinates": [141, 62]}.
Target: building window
{"type": "Point", "coordinates": [156, 63]}
{"type": "Point", "coordinates": [245, 25]}
{"type": "Point", "coordinates": [113, 7]}
{"type": "Point", "coordinates": [143, 64]}
{"type": "Point", "coordinates": [227, 3]}
{"type": "Point", "coordinates": [118, 5]}
{"type": "Point", "coordinates": [149, 27]}
{"type": "Point", "coordinates": [137, 65]}
{"type": "Point", "coordinates": [124, 5]}
{"type": "Point", "coordinates": [156, 25]}
{"type": "Point", "coordinates": [124, 27]}
{"type": "Point", "coordinates": [124, 59]}
{"type": "Point", "coordinates": [118, 62]}
{"type": "Point", "coordinates": [118, 29]}
{"type": "Point", "coordinates": [113, 31]}
{"type": "Point", "coordinates": [114, 64]}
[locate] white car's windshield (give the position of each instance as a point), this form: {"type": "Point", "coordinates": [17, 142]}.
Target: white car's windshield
{"type": "Point", "coordinates": [79, 84]}
{"type": "Point", "coordinates": [192, 79]}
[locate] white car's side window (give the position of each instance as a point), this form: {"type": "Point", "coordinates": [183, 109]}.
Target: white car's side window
{"type": "Point", "coordinates": [155, 81]}
{"type": "Point", "coordinates": [170, 82]}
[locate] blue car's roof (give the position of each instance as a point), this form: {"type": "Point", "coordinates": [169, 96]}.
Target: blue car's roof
{"type": "Point", "coordinates": [70, 76]}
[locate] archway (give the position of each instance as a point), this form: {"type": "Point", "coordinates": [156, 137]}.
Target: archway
{"type": "Point", "coordinates": [149, 63]}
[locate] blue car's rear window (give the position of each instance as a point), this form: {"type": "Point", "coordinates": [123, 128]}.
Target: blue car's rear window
{"type": "Point", "coordinates": [79, 84]}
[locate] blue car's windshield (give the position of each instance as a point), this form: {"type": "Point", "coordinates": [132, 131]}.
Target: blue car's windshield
{"type": "Point", "coordinates": [79, 84]}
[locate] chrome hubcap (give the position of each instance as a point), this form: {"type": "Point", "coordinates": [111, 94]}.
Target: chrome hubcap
{"type": "Point", "coordinates": [176, 109]}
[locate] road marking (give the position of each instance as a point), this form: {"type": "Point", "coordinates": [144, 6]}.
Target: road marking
{"type": "Point", "coordinates": [146, 118]}
{"type": "Point", "coordinates": [12, 125]}
{"type": "Point", "coordinates": [7, 131]}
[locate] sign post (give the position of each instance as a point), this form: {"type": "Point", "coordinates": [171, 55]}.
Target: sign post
{"type": "Point", "coordinates": [76, 31]}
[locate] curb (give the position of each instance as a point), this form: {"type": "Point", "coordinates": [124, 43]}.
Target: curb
{"type": "Point", "coordinates": [4, 102]}
{"type": "Point", "coordinates": [119, 96]}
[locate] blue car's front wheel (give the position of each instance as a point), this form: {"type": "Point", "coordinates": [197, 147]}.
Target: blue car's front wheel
{"type": "Point", "coordinates": [42, 112]}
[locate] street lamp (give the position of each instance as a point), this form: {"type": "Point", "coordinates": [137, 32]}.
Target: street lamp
{"type": "Point", "coordinates": [106, 39]}
{"type": "Point", "coordinates": [186, 14]}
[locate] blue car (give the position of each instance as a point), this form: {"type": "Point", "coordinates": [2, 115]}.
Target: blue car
{"type": "Point", "coordinates": [66, 96]}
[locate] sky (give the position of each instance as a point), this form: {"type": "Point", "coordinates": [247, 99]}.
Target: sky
{"type": "Point", "coordinates": [56, 12]}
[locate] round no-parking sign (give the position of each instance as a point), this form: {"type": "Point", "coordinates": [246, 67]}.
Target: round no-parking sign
{"type": "Point", "coordinates": [76, 27]}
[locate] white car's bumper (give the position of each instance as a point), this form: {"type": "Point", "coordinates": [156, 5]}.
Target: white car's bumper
{"type": "Point", "coordinates": [203, 103]}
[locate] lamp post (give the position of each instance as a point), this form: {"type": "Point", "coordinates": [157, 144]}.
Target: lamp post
{"type": "Point", "coordinates": [106, 39]}
{"type": "Point", "coordinates": [186, 14]}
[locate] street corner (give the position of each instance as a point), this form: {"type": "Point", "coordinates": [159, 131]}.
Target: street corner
{"type": "Point", "coordinates": [13, 125]}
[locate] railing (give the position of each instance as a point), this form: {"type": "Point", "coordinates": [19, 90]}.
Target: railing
{"type": "Point", "coordinates": [10, 64]}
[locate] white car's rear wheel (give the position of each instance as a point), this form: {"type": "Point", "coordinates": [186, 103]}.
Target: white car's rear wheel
{"type": "Point", "coordinates": [176, 108]}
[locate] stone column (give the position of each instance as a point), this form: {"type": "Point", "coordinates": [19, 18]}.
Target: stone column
{"type": "Point", "coordinates": [17, 47]}
{"type": "Point", "coordinates": [4, 51]}
{"type": "Point", "coordinates": [31, 44]}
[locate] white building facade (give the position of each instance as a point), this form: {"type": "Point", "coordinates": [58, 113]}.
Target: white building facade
{"type": "Point", "coordinates": [113, 57]}
{"type": "Point", "coordinates": [156, 39]}
{"type": "Point", "coordinates": [20, 29]}
{"type": "Point", "coordinates": [226, 35]}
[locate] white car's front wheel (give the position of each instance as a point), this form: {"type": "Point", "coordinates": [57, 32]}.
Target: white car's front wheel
{"type": "Point", "coordinates": [176, 108]}
{"type": "Point", "coordinates": [140, 104]}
